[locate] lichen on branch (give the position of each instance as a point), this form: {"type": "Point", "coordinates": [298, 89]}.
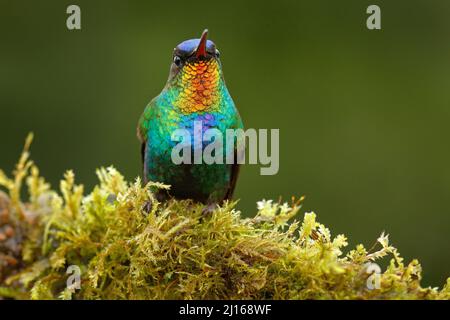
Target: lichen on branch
{"type": "Point", "coordinates": [175, 251]}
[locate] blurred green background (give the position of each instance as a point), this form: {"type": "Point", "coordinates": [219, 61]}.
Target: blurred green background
{"type": "Point", "coordinates": [363, 115]}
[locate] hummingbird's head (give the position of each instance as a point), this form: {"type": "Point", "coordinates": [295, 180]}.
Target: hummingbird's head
{"type": "Point", "coordinates": [193, 54]}
{"type": "Point", "coordinates": [196, 72]}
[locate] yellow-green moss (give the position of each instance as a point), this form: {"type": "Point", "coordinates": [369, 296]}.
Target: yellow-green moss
{"type": "Point", "coordinates": [176, 252]}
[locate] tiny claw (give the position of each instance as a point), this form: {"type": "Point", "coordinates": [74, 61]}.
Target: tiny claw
{"type": "Point", "coordinates": [111, 198]}
{"type": "Point", "coordinates": [147, 207]}
{"type": "Point", "coordinates": [208, 209]}
{"type": "Point", "coordinates": [161, 196]}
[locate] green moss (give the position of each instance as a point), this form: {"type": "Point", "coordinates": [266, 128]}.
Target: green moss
{"type": "Point", "coordinates": [176, 252]}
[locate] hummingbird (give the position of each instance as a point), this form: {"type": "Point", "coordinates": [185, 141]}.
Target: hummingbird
{"type": "Point", "coordinates": [195, 92]}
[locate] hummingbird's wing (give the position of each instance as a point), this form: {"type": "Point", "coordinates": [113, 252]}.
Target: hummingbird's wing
{"type": "Point", "coordinates": [142, 130]}
{"type": "Point", "coordinates": [142, 136]}
{"type": "Point", "coordinates": [235, 168]}
{"type": "Point", "coordinates": [234, 176]}
{"type": "Point", "coordinates": [239, 148]}
{"type": "Point", "coordinates": [143, 152]}
{"type": "Point", "coordinates": [143, 124]}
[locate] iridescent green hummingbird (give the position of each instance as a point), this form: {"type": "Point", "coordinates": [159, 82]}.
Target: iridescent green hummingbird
{"type": "Point", "coordinates": [195, 92]}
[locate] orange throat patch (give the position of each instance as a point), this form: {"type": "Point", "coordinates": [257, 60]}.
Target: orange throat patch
{"type": "Point", "coordinates": [200, 86]}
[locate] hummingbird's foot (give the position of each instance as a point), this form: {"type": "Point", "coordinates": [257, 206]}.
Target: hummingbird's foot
{"type": "Point", "coordinates": [147, 207]}
{"type": "Point", "coordinates": [161, 196]}
{"type": "Point", "coordinates": [158, 197]}
{"type": "Point", "coordinates": [111, 198]}
{"type": "Point", "coordinates": [208, 209]}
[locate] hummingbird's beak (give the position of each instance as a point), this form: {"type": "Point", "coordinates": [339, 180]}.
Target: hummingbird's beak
{"type": "Point", "coordinates": [201, 48]}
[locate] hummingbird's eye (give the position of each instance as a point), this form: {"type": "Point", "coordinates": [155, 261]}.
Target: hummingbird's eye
{"type": "Point", "coordinates": [217, 53]}
{"type": "Point", "coordinates": [177, 61]}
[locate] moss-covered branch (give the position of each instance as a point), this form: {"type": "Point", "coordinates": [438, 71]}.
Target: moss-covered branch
{"type": "Point", "coordinates": [176, 252]}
